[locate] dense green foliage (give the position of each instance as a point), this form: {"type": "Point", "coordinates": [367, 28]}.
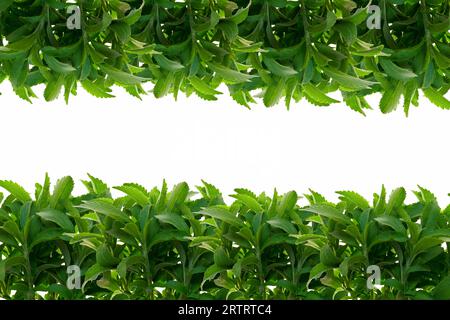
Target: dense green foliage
{"type": "Point", "coordinates": [282, 49]}
{"type": "Point", "coordinates": [183, 244]}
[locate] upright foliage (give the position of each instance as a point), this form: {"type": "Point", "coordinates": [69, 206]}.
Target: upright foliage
{"type": "Point", "coordinates": [185, 244]}
{"type": "Point", "coordinates": [285, 49]}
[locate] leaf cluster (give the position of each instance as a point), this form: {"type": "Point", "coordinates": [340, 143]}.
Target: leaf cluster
{"type": "Point", "coordinates": [282, 49]}
{"type": "Point", "coordinates": [188, 244]}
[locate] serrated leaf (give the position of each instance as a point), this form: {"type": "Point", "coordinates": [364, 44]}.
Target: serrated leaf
{"type": "Point", "coordinates": [436, 98]}
{"type": "Point", "coordinates": [316, 96]}
{"type": "Point", "coordinates": [135, 193]}
{"type": "Point", "coordinates": [96, 90]}
{"type": "Point", "coordinates": [202, 86]}
{"type": "Point", "coordinates": [354, 198]}
{"type": "Point", "coordinates": [16, 190]}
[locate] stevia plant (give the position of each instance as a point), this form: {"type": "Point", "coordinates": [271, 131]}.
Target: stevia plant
{"type": "Point", "coordinates": [270, 49]}
{"type": "Point", "coordinates": [185, 244]}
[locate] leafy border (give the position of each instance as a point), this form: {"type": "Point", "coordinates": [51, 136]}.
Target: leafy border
{"type": "Point", "coordinates": [189, 244]}
{"type": "Point", "coordinates": [284, 49]}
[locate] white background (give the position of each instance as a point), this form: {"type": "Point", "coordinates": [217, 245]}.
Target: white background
{"type": "Point", "coordinates": [126, 140]}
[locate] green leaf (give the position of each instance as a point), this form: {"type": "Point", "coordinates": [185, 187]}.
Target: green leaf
{"type": "Point", "coordinates": [53, 88]}
{"type": "Point", "coordinates": [62, 51]}
{"type": "Point", "coordinates": [278, 69]}
{"type": "Point", "coordinates": [396, 199]}
{"type": "Point", "coordinates": [387, 236]}
{"type": "Point", "coordinates": [301, 238]}
{"type": "Point", "coordinates": [178, 195]}
{"type": "Point", "coordinates": [92, 273]}
{"type": "Point", "coordinates": [96, 90]}
{"type": "Point", "coordinates": [329, 212]}
{"type": "Point", "coordinates": [12, 228]}
{"type": "Point", "coordinates": [25, 43]}
{"type": "Point", "coordinates": [369, 51]}
{"type": "Point", "coordinates": [5, 4]}
{"type": "Point", "coordinates": [98, 186]}
{"type": "Point", "coordinates": [425, 244]}
{"type": "Point", "coordinates": [241, 14]}
{"type": "Point", "coordinates": [283, 224]}
{"type": "Point", "coordinates": [167, 64]}
{"type": "Point", "coordinates": [391, 98]}
{"type": "Point", "coordinates": [16, 190]}
{"type": "Point", "coordinates": [273, 93]}
{"type": "Point", "coordinates": [229, 75]}
{"type": "Point", "coordinates": [122, 30]}
{"type": "Point", "coordinates": [63, 190]}
{"type": "Point", "coordinates": [347, 30]}
{"type": "Point", "coordinates": [347, 81]}
{"type": "Point", "coordinates": [354, 198]}
{"type": "Point", "coordinates": [57, 217]}
{"type": "Point", "coordinates": [47, 235]}
{"type": "Point", "coordinates": [7, 238]}
{"type": "Point", "coordinates": [175, 220]}
{"type": "Point", "coordinates": [287, 203]}
{"type": "Point", "coordinates": [222, 215]}
{"type": "Point", "coordinates": [134, 15]}
{"type": "Point", "coordinates": [395, 71]}
{"type": "Point", "coordinates": [221, 258]}
{"type": "Point", "coordinates": [424, 195]}
{"type": "Point", "coordinates": [57, 65]}
{"type": "Point", "coordinates": [229, 29]}
{"type": "Point", "coordinates": [9, 263]}
{"type": "Point", "coordinates": [203, 87]}
{"type": "Point", "coordinates": [442, 290]}
{"type": "Point", "coordinates": [211, 273]}
{"type": "Point", "coordinates": [436, 98]}
{"type": "Point", "coordinates": [316, 272]}
{"type": "Point", "coordinates": [121, 76]}
{"type": "Point", "coordinates": [392, 222]}
{"type": "Point", "coordinates": [316, 96]}
{"type": "Point", "coordinates": [9, 54]}
{"type": "Point", "coordinates": [135, 193]}
{"type": "Point", "coordinates": [128, 262]}
{"type": "Point", "coordinates": [103, 206]}
{"type": "Point", "coordinates": [409, 94]}
{"type": "Point", "coordinates": [105, 257]}
{"type": "Point", "coordinates": [275, 239]}
{"type": "Point", "coordinates": [408, 53]}
{"type": "Point", "coordinates": [248, 201]}
{"type": "Point", "coordinates": [328, 257]}
{"type": "Point", "coordinates": [163, 85]}
{"type": "Point", "coordinates": [168, 235]}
